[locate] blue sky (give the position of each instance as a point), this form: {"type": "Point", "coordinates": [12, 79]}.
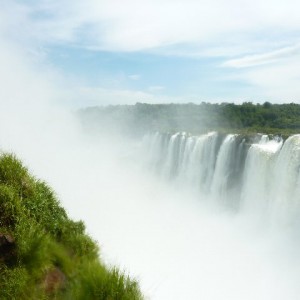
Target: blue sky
{"type": "Point", "coordinates": [203, 77]}
{"type": "Point", "coordinates": [111, 52]}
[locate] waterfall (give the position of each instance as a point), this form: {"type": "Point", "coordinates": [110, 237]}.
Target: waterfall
{"type": "Point", "coordinates": [257, 177]}
{"type": "Point", "coordinates": [256, 174]}
{"type": "Point", "coordinates": [286, 181]}
{"type": "Point", "coordinates": [224, 169]}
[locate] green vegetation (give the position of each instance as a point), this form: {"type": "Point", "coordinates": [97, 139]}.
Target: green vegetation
{"type": "Point", "coordinates": [44, 254]}
{"type": "Point", "coordinates": [267, 118]}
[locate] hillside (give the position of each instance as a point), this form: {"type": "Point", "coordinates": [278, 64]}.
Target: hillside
{"type": "Point", "coordinates": [195, 118]}
{"type": "Point", "coordinates": [43, 253]}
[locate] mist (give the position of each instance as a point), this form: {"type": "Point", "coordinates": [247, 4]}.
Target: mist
{"type": "Point", "coordinates": [163, 233]}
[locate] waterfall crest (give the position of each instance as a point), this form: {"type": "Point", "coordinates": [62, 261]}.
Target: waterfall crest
{"type": "Point", "coordinates": [254, 174]}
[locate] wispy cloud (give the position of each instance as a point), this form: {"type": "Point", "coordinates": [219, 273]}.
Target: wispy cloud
{"type": "Point", "coordinates": [134, 76]}
{"type": "Point", "coordinates": [146, 25]}
{"type": "Point", "coordinates": [278, 82]}
{"type": "Point", "coordinates": [94, 96]}
{"type": "Point", "coordinates": [242, 34]}
{"type": "Point", "coordinates": [264, 58]}
{"type": "Point", "coordinates": [156, 88]}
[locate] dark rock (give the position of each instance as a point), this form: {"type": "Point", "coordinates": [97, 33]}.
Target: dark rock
{"type": "Point", "coordinates": [7, 248]}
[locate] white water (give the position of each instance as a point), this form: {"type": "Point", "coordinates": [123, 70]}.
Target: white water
{"type": "Point", "coordinates": [259, 177]}
{"type": "Point", "coordinates": [184, 248]}
{"type": "Point", "coordinates": [219, 186]}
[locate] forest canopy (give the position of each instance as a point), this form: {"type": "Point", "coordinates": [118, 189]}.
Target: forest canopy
{"type": "Point", "coordinates": [246, 117]}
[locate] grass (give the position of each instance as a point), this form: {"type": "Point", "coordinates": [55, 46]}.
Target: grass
{"type": "Point", "coordinates": [51, 256]}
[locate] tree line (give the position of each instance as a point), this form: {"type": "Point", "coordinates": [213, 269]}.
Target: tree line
{"type": "Point", "coordinates": [245, 117]}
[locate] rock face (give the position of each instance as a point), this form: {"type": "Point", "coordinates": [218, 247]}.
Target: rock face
{"type": "Point", "coordinates": [7, 248]}
{"type": "Point", "coordinates": [54, 280]}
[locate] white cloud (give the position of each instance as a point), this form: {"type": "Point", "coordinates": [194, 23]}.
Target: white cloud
{"type": "Point", "coordinates": [279, 82]}
{"type": "Point", "coordinates": [115, 25]}
{"type": "Point", "coordinates": [273, 75]}
{"type": "Point", "coordinates": [134, 76]}
{"type": "Point", "coordinates": [156, 88]}
{"type": "Point", "coordinates": [264, 58]}
{"type": "Point", "coordinates": [94, 96]}
{"type": "Point", "coordinates": [244, 33]}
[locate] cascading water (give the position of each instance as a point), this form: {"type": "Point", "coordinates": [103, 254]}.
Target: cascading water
{"type": "Point", "coordinates": [256, 175]}
{"type": "Point", "coordinates": [224, 168]}
{"type": "Point", "coordinates": [285, 195]}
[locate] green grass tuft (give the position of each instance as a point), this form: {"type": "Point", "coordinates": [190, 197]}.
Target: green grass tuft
{"type": "Point", "coordinates": [49, 255]}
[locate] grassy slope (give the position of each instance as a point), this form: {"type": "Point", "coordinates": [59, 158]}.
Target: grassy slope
{"type": "Point", "coordinates": [51, 256]}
